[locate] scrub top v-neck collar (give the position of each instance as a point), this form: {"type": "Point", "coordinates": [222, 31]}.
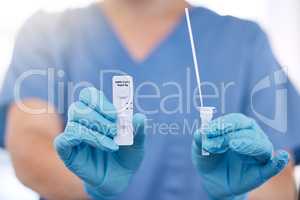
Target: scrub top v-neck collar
{"type": "Point", "coordinates": [109, 37]}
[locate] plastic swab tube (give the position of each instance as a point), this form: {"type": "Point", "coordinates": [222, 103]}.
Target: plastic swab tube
{"type": "Point", "coordinates": [206, 113]}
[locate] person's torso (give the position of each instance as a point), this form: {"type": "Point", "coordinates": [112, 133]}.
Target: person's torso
{"type": "Point", "coordinates": [165, 90]}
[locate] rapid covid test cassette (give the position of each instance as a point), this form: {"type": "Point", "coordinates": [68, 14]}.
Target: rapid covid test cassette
{"type": "Point", "coordinates": [123, 102]}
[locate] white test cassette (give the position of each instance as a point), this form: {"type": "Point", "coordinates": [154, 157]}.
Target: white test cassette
{"type": "Point", "coordinates": [123, 102]}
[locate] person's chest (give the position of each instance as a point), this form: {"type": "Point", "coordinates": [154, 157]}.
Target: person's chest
{"type": "Point", "coordinates": [165, 90]}
{"type": "Point", "coordinates": [165, 83]}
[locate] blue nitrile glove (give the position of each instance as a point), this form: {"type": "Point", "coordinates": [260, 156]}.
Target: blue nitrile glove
{"type": "Point", "coordinates": [241, 157]}
{"type": "Point", "coordinates": [88, 150]}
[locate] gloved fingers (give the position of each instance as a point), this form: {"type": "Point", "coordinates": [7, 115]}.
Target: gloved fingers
{"type": "Point", "coordinates": [201, 141]}
{"type": "Point", "coordinates": [86, 116]}
{"type": "Point", "coordinates": [139, 121]}
{"type": "Point", "coordinates": [260, 132]}
{"type": "Point", "coordinates": [130, 157]}
{"type": "Point", "coordinates": [197, 143]}
{"type": "Point", "coordinates": [275, 165]}
{"type": "Point", "coordinates": [63, 147]}
{"type": "Point", "coordinates": [75, 134]}
{"type": "Point", "coordinates": [259, 150]}
{"type": "Point", "coordinates": [98, 101]}
{"type": "Point", "coordinates": [216, 145]}
{"type": "Point", "coordinates": [205, 162]}
{"type": "Point", "coordinates": [90, 137]}
{"type": "Point", "coordinates": [228, 123]}
{"type": "Point", "coordinates": [198, 139]}
{"type": "Point", "coordinates": [244, 142]}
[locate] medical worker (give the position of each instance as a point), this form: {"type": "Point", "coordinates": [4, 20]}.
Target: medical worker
{"type": "Point", "coordinates": [61, 122]}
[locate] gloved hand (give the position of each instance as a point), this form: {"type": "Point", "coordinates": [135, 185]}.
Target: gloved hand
{"type": "Point", "coordinates": [88, 150]}
{"type": "Point", "coordinates": [241, 157]}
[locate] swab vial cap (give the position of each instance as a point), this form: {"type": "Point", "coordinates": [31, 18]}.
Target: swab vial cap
{"type": "Point", "coordinates": [206, 113]}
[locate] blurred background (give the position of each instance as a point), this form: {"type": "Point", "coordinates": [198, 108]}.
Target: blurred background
{"type": "Point", "coordinates": [280, 19]}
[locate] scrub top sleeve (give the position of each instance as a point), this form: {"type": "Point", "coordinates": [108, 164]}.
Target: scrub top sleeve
{"type": "Point", "coordinates": [271, 97]}
{"type": "Point", "coordinates": [35, 71]}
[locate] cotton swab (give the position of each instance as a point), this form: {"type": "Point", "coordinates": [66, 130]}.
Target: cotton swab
{"type": "Point", "coordinates": [206, 113]}
{"type": "Point", "coordinates": [194, 55]}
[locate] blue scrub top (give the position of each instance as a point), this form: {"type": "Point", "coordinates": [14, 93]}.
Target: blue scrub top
{"type": "Point", "coordinates": [56, 55]}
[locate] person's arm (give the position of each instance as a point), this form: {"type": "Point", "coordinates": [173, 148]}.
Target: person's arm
{"type": "Point", "coordinates": [37, 165]}
{"type": "Point", "coordinates": [279, 187]}
{"type": "Point", "coordinates": [283, 132]}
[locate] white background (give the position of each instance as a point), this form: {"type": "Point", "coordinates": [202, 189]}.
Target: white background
{"type": "Point", "coordinates": [280, 18]}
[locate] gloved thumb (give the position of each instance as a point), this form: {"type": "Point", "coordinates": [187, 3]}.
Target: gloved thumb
{"type": "Point", "coordinates": [139, 121]}
{"type": "Point", "coordinates": [131, 156]}
{"type": "Point", "coordinates": [197, 144]}
{"type": "Point", "coordinates": [275, 165]}
{"type": "Point", "coordinates": [62, 146]}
